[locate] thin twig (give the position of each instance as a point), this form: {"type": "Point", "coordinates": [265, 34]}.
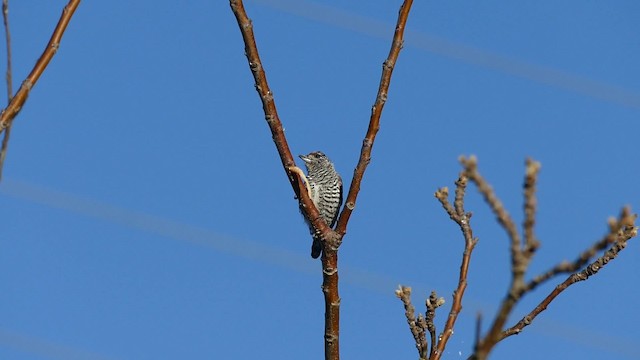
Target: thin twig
{"type": "Point", "coordinates": [422, 325]}
{"type": "Point", "coordinates": [504, 219]}
{"type": "Point", "coordinates": [478, 329]}
{"type": "Point", "coordinates": [432, 303]}
{"type": "Point", "coordinates": [416, 325]}
{"type": "Point", "coordinates": [17, 102]}
{"type": "Point", "coordinates": [7, 33]}
{"type": "Point", "coordinates": [376, 112]}
{"type": "Point", "coordinates": [530, 205]}
{"type": "Point", "coordinates": [584, 258]}
{"type": "Point", "coordinates": [462, 218]}
{"type": "Point", "coordinates": [519, 261]}
{"type": "Point", "coordinates": [271, 115]}
{"type": "Point", "coordinates": [623, 230]}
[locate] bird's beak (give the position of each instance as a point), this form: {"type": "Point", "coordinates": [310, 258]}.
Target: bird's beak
{"type": "Point", "coordinates": [304, 158]}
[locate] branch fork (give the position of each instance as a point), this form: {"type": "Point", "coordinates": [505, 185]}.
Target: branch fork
{"type": "Point", "coordinates": [296, 177]}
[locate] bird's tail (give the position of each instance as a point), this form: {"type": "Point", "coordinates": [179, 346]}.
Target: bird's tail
{"type": "Point", "coordinates": [316, 247]}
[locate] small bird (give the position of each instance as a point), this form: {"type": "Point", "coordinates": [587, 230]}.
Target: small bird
{"type": "Point", "coordinates": [325, 191]}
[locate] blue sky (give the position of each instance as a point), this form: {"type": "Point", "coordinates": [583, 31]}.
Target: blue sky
{"type": "Point", "coordinates": [147, 216]}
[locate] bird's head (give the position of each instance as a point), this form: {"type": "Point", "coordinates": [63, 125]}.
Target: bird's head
{"type": "Point", "coordinates": [316, 159]}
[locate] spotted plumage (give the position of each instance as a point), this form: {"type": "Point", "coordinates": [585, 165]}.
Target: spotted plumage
{"type": "Point", "coordinates": [326, 193]}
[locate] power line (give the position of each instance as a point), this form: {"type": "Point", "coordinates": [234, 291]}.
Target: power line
{"type": "Point", "coordinates": [378, 29]}
{"type": "Point", "coordinates": [268, 254]}
{"type": "Point", "coordinates": [48, 349]}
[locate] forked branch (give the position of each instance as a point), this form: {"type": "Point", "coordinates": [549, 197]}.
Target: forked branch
{"type": "Point", "coordinates": [522, 250]}
{"type": "Point", "coordinates": [332, 239]}
{"type": "Point", "coordinates": [458, 214]}
{"type": "Point", "coordinates": [620, 231]}
{"type": "Point", "coordinates": [17, 101]}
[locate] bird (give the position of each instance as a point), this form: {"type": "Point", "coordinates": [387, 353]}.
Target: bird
{"type": "Point", "coordinates": [325, 185]}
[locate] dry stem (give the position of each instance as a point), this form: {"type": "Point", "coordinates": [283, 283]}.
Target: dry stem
{"type": "Point", "coordinates": [519, 261]}
{"type": "Point", "coordinates": [9, 78]}
{"type": "Point", "coordinates": [432, 303]}
{"type": "Point", "coordinates": [374, 122]}
{"type": "Point", "coordinates": [462, 218]}
{"type": "Point", "coordinates": [17, 102]}
{"type": "Point", "coordinates": [7, 33]}
{"type": "Point", "coordinates": [416, 327]}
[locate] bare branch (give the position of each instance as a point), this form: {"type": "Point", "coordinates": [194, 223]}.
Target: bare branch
{"type": "Point", "coordinates": [530, 204]}
{"type": "Point", "coordinates": [7, 33]}
{"type": "Point", "coordinates": [457, 214]}
{"type": "Point", "coordinates": [432, 303]}
{"type": "Point", "coordinates": [478, 330]}
{"type": "Point", "coordinates": [504, 219]}
{"type": "Point", "coordinates": [442, 195]}
{"type": "Point", "coordinates": [17, 102]}
{"type": "Point", "coordinates": [332, 239]}
{"type": "Point", "coordinates": [621, 231]}
{"type": "Point", "coordinates": [416, 326]}
{"type": "Point", "coordinates": [374, 122]}
{"type": "Point", "coordinates": [272, 118]}
{"type": "Point", "coordinates": [519, 261]}
{"type": "Point", "coordinates": [566, 267]}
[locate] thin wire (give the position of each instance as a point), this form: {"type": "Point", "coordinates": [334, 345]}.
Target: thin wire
{"type": "Point", "coordinates": [45, 348]}
{"type": "Point", "coordinates": [378, 29]}
{"type": "Point", "coordinates": [268, 254]}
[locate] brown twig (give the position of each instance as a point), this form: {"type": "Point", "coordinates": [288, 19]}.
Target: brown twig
{"type": "Point", "coordinates": [566, 267]}
{"type": "Point", "coordinates": [4, 147]}
{"type": "Point", "coordinates": [620, 232]}
{"type": "Point", "coordinates": [476, 340]}
{"type": "Point", "coordinates": [374, 122]}
{"type": "Point", "coordinates": [7, 33]}
{"type": "Point", "coordinates": [462, 218]}
{"type": "Point", "coordinates": [504, 219]}
{"type": "Point", "coordinates": [271, 114]}
{"type": "Point", "coordinates": [530, 204]}
{"type": "Point", "coordinates": [421, 324]}
{"type": "Point", "coordinates": [432, 303]}
{"type": "Point", "coordinates": [17, 102]}
{"type": "Point", "coordinates": [519, 261]}
{"type": "Point", "coordinates": [416, 326]}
